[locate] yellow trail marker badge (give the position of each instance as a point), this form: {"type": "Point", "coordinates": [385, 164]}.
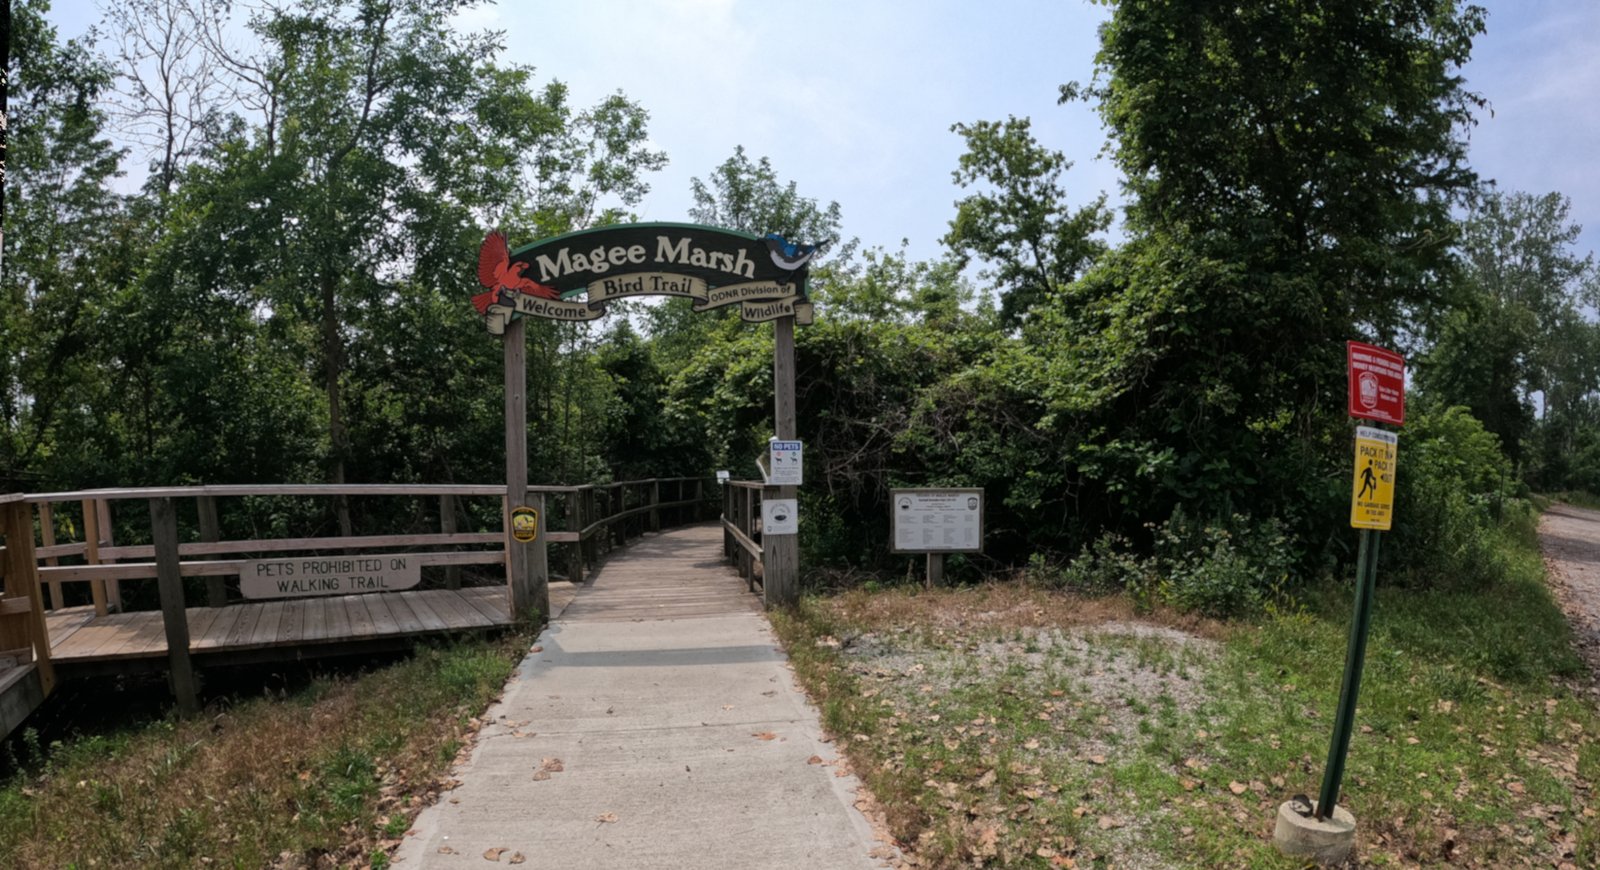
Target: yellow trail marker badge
{"type": "Point", "coordinates": [524, 524]}
{"type": "Point", "coordinates": [1372, 490]}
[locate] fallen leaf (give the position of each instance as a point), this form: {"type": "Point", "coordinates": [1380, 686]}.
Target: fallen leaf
{"type": "Point", "coordinates": [551, 765]}
{"type": "Point", "coordinates": [1107, 823]}
{"type": "Point", "coordinates": [1097, 759]}
{"type": "Point", "coordinates": [606, 818]}
{"type": "Point", "coordinates": [1516, 788]}
{"type": "Point", "coordinates": [516, 858]}
{"type": "Point", "coordinates": [536, 648]}
{"type": "Point", "coordinates": [1237, 787]}
{"type": "Point", "coordinates": [495, 853]}
{"type": "Point", "coordinates": [764, 735]}
{"type": "Point", "coordinates": [446, 850]}
{"type": "Point", "coordinates": [540, 775]}
{"type": "Point", "coordinates": [815, 759]}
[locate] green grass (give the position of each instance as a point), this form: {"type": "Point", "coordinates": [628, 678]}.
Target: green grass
{"type": "Point", "coordinates": [1472, 746]}
{"type": "Point", "coordinates": [334, 772]}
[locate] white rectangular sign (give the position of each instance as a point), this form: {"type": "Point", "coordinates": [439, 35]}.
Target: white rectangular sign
{"type": "Point", "coordinates": [785, 464]}
{"type": "Point", "coordinates": [937, 520]}
{"type": "Point", "coordinates": [780, 516]}
{"type": "Point", "coordinates": [328, 575]}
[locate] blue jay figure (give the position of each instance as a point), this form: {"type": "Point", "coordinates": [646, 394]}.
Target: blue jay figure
{"type": "Point", "coordinates": [791, 255]}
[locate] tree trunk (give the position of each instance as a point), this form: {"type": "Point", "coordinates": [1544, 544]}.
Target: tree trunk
{"type": "Point", "coordinates": [333, 357]}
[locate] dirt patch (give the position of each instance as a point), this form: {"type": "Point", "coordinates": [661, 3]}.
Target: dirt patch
{"type": "Point", "coordinates": [1570, 539]}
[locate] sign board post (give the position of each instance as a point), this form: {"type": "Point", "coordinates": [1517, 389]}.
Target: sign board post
{"type": "Point", "coordinates": [780, 553]}
{"type": "Point", "coordinates": [527, 565]}
{"type": "Point", "coordinates": [1377, 392]}
{"type": "Point", "coordinates": [936, 522]}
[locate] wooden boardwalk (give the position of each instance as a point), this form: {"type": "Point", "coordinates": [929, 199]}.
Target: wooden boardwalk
{"type": "Point", "coordinates": [79, 638]}
{"type": "Point", "coordinates": [677, 574]}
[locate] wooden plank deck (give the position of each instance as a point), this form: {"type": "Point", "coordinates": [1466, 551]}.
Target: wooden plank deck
{"type": "Point", "coordinates": [677, 574]}
{"type": "Point", "coordinates": [77, 636]}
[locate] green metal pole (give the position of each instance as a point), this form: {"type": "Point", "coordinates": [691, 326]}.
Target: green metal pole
{"type": "Point", "coordinates": [1355, 658]}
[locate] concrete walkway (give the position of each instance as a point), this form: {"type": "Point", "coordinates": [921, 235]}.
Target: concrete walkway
{"type": "Point", "coordinates": [658, 727]}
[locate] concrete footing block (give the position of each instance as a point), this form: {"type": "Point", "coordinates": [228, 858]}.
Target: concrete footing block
{"type": "Point", "coordinates": [1327, 842]}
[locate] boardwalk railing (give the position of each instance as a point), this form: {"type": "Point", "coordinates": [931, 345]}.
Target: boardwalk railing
{"type": "Point", "coordinates": [184, 532]}
{"type": "Point", "coordinates": [741, 528]}
{"type": "Point", "coordinates": [26, 673]}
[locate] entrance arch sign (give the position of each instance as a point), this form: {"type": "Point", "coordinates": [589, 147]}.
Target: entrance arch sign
{"type": "Point", "coordinates": [574, 276]}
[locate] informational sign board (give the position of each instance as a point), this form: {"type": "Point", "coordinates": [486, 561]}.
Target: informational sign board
{"type": "Point", "coordinates": [328, 575]}
{"type": "Point", "coordinates": [936, 520]}
{"type": "Point", "coordinates": [1377, 383]}
{"type": "Point", "coordinates": [785, 463]}
{"type": "Point", "coordinates": [722, 476]}
{"type": "Point", "coordinates": [780, 516]}
{"type": "Point", "coordinates": [1372, 490]}
{"type": "Point", "coordinates": [524, 525]}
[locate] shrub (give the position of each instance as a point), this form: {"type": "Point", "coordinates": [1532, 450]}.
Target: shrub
{"type": "Point", "coordinates": [1453, 488]}
{"type": "Point", "coordinates": [1228, 568]}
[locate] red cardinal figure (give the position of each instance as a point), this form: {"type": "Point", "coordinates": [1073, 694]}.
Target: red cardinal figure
{"type": "Point", "coordinates": [498, 273]}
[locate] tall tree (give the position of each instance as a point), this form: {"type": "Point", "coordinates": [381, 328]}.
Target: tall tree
{"type": "Point", "coordinates": [1290, 172]}
{"type": "Point", "coordinates": [1521, 334]}
{"type": "Point", "coordinates": [64, 264]}
{"type": "Point", "coordinates": [1020, 221]}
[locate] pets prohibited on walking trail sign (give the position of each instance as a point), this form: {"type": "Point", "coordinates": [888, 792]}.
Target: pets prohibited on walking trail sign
{"type": "Point", "coordinates": [1372, 490]}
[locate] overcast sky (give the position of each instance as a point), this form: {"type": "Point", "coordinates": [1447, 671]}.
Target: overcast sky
{"type": "Point", "coordinates": [854, 100]}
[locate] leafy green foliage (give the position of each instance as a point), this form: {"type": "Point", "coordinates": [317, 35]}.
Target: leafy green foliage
{"type": "Point", "coordinates": [1521, 330]}
{"type": "Point", "coordinates": [1021, 224]}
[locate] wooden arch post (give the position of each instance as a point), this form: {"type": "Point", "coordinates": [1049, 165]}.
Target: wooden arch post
{"type": "Point", "coordinates": [780, 554]}
{"type": "Point", "coordinates": [527, 563]}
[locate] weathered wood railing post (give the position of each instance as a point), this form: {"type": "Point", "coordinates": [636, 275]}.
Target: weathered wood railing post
{"type": "Point", "coordinates": [655, 499]}
{"type": "Point", "coordinates": [575, 524]}
{"type": "Point", "coordinates": [108, 539]}
{"type": "Point", "coordinates": [91, 554]}
{"type": "Point", "coordinates": [591, 512]}
{"type": "Point", "coordinates": [169, 580]}
{"type": "Point", "coordinates": [616, 503]}
{"type": "Point", "coordinates": [47, 536]}
{"type": "Point", "coordinates": [210, 533]}
{"type": "Point", "coordinates": [447, 525]}
{"type": "Point", "coordinates": [28, 630]}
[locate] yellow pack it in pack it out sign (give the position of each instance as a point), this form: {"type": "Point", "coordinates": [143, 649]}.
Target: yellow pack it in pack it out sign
{"type": "Point", "coordinates": [524, 524]}
{"type": "Point", "coordinates": [1372, 488]}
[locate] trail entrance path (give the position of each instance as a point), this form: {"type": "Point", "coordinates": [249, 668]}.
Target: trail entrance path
{"type": "Point", "coordinates": [657, 726]}
{"type": "Point", "coordinates": [1570, 539]}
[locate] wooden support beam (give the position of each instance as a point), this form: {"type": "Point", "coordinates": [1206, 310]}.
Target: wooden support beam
{"type": "Point", "coordinates": [91, 554]}
{"type": "Point", "coordinates": [575, 550]}
{"type": "Point", "coordinates": [175, 622]}
{"type": "Point", "coordinates": [447, 525]}
{"type": "Point", "coordinates": [527, 577]}
{"type": "Point", "coordinates": [47, 537]}
{"type": "Point", "coordinates": [210, 533]}
{"type": "Point", "coordinates": [780, 554]}
{"type": "Point", "coordinates": [655, 499]}
{"type": "Point", "coordinates": [22, 583]}
{"type": "Point", "coordinates": [108, 539]}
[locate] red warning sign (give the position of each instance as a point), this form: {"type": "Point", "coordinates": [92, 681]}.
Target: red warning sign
{"type": "Point", "coordinates": [1377, 383]}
